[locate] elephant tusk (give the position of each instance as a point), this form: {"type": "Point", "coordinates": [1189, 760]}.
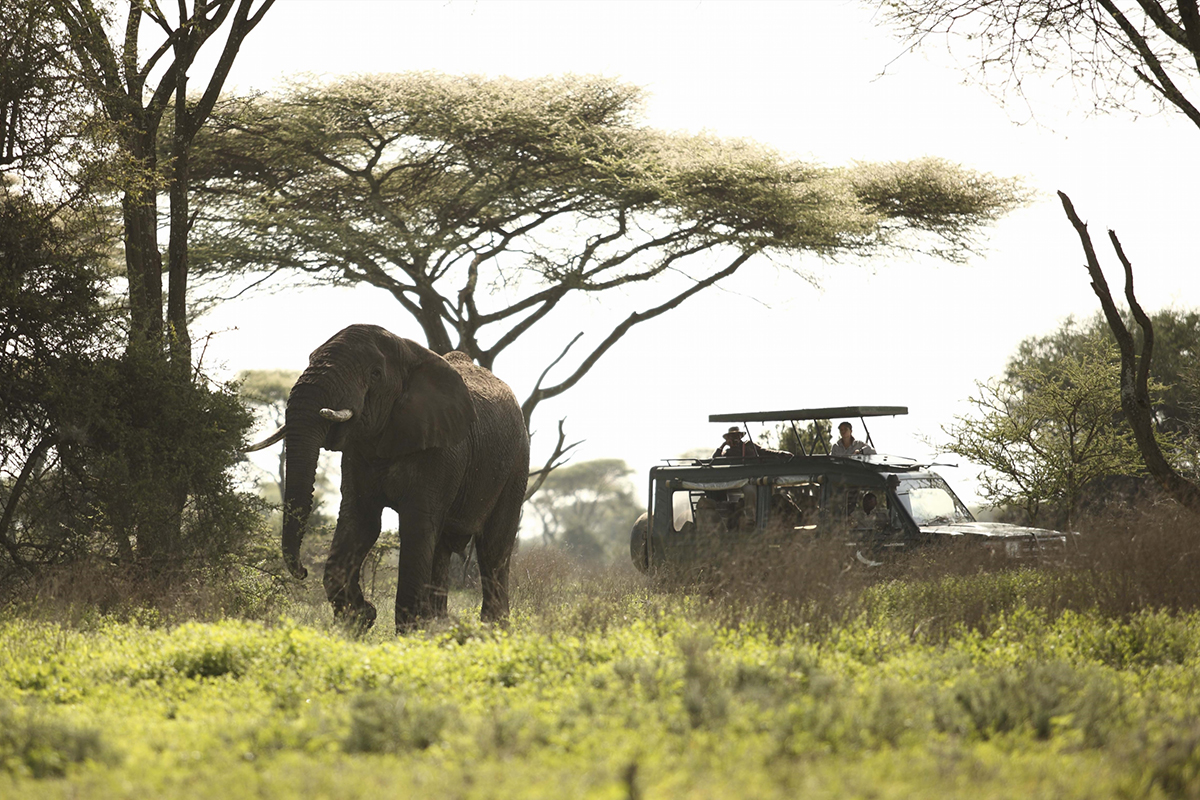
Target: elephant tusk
{"type": "Point", "coordinates": [270, 440]}
{"type": "Point", "coordinates": [337, 416]}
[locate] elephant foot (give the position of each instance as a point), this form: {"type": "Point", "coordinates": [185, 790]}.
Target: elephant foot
{"type": "Point", "coordinates": [356, 620]}
{"type": "Point", "coordinates": [409, 621]}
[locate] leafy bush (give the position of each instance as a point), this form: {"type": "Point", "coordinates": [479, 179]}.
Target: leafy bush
{"type": "Point", "coordinates": [33, 742]}
{"type": "Point", "coordinates": [391, 723]}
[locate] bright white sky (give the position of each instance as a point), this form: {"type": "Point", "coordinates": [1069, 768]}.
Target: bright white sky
{"type": "Point", "coordinates": [818, 80]}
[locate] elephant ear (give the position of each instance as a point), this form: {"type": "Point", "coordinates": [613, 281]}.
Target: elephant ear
{"type": "Point", "coordinates": [435, 410]}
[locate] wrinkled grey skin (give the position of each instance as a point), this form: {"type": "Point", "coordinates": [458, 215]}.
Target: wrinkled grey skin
{"type": "Point", "coordinates": [440, 440]}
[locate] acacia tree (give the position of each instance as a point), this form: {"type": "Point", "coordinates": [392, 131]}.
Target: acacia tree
{"type": "Point", "coordinates": [1109, 49]}
{"type": "Point", "coordinates": [481, 205]}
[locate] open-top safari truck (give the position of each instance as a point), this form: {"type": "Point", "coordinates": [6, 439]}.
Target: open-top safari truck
{"type": "Point", "coordinates": [877, 505]}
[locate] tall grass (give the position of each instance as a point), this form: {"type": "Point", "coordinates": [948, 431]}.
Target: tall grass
{"type": "Point", "coordinates": [1118, 566]}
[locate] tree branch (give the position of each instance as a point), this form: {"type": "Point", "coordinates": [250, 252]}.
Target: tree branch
{"type": "Point", "coordinates": [620, 330]}
{"type": "Point", "coordinates": [1165, 86]}
{"type": "Point", "coordinates": [556, 460]}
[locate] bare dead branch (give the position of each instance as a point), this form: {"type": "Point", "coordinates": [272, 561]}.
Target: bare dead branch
{"type": "Point", "coordinates": [1135, 394]}
{"type": "Point", "coordinates": [556, 460]}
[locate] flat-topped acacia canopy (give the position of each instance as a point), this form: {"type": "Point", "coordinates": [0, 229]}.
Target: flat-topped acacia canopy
{"type": "Point", "coordinates": [811, 413]}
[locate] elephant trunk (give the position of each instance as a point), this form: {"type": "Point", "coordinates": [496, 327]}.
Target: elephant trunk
{"type": "Point", "coordinates": [305, 435]}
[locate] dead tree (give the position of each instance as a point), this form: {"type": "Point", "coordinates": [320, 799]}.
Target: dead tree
{"type": "Point", "coordinates": [1135, 366]}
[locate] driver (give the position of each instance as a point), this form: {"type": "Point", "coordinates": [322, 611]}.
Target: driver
{"type": "Point", "coordinates": [871, 516]}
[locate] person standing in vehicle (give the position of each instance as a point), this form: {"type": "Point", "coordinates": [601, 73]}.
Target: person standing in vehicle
{"type": "Point", "coordinates": [734, 447]}
{"type": "Point", "coordinates": [847, 445]}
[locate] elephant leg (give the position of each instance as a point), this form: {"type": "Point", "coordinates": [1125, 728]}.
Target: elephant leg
{"type": "Point", "coordinates": [418, 537]}
{"type": "Point", "coordinates": [494, 548]}
{"type": "Point", "coordinates": [439, 583]}
{"type": "Point", "coordinates": [357, 531]}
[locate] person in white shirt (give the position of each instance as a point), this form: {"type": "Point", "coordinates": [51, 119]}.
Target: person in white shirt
{"type": "Point", "coordinates": [847, 445]}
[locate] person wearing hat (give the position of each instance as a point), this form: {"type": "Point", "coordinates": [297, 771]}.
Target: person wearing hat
{"type": "Point", "coordinates": [847, 445]}
{"type": "Point", "coordinates": [734, 447]}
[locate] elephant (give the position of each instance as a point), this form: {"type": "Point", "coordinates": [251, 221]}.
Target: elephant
{"type": "Point", "coordinates": [440, 440]}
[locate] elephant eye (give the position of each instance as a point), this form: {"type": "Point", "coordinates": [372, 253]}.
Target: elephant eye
{"type": "Point", "coordinates": [376, 375]}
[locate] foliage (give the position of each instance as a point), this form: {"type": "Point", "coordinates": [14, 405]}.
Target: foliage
{"type": "Point", "coordinates": [1176, 358]}
{"type": "Point", "coordinates": [1109, 50]}
{"type": "Point", "coordinates": [1175, 367]}
{"type": "Point", "coordinates": [89, 439]}
{"type": "Point", "coordinates": [634, 692]}
{"type": "Point", "coordinates": [52, 327]}
{"type": "Point", "coordinates": [146, 436]}
{"type": "Point", "coordinates": [103, 485]}
{"type": "Point", "coordinates": [588, 508]}
{"type": "Point", "coordinates": [1048, 428]}
{"type": "Point", "coordinates": [812, 437]}
{"type": "Point", "coordinates": [46, 126]}
{"type": "Point", "coordinates": [483, 205]}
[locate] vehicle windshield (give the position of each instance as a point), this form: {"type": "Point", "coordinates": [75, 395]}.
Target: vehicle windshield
{"type": "Point", "coordinates": [931, 501]}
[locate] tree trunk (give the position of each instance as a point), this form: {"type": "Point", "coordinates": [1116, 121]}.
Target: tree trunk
{"type": "Point", "coordinates": [143, 262]}
{"type": "Point", "coordinates": [180, 341]}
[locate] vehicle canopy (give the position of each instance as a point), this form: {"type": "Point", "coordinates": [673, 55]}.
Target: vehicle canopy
{"type": "Point", "coordinates": [808, 414]}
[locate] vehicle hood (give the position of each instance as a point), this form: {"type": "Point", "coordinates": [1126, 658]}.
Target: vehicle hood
{"type": "Point", "coordinates": [993, 530]}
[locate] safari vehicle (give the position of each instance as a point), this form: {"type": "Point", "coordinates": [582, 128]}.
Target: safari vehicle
{"type": "Point", "coordinates": [878, 505]}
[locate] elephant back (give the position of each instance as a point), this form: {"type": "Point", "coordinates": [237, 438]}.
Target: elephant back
{"type": "Point", "coordinates": [498, 438]}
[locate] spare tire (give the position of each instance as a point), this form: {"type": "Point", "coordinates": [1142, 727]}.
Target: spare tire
{"type": "Point", "coordinates": [639, 543]}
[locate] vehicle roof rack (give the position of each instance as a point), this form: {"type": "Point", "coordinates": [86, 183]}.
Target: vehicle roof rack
{"type": "Point", "coordinates": [811, 413]}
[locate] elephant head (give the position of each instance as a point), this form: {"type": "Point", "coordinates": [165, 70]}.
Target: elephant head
{"type": "Point", "coordinates": [373, 393]}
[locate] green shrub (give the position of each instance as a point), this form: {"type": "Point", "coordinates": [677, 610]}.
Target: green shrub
{"type": "Point", "coordinates": [395, 723]}
{"type": "Point", "coordinates": [33, 742]}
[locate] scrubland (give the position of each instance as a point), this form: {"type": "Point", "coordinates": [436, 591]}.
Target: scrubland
{"type": "Point", "coordinates": [782, 674]}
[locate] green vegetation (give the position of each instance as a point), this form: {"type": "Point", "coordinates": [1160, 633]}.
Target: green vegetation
{"type": "Point", "coordinates": [1046, 432]}
{"type": "Point", "coordinates": [1051, 431]}
{"type": "Point", "coordinates": [115, 445]}
{"type": "Point", "coordinates": [1034, 682]}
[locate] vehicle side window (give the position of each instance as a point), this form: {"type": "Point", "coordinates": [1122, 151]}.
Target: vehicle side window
{"type": "Point", "coordinates": [710, 511]}
{"type": "Point", "coordinates": [794, 505]}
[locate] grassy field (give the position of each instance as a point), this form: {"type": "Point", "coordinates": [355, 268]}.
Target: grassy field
{"type": "Point", "coordinates": [938, 678]}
